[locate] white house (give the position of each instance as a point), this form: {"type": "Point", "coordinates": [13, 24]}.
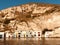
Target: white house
{"type": "Point", "coordinates": [37, 33]}
{"type": "Point", "coordinates": [7, 33]}
{"type": "Point", "coordinates": [23, 34]}
{"type": "Point", "coordinates": [1, 34]}
{"type": "Point", "coordinates": [48, 33]}
{"type": "Point", "coordinates": [28, 34]}
{"type": "Point", "coordinates": [15, 34]}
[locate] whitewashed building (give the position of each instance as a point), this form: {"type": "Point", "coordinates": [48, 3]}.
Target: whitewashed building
{"type": "Point", "coordinates": [1, 34]}
{"type": "Point", "coordinates": [37, 33]}
{"type": "Point", "coordinates": [23, 34]}
{"type": "Point", "coordinates": [49, 33]}
{"type": "Point", "coordinates": [7, 34]}
{"type": "Point", "coordinates": [15, 34]}
{"type": "Point", "coordinates": [28, 34]}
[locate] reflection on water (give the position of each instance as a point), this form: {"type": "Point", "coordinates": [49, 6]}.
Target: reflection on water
{"type": "Point", "coordinates": [30, 41]}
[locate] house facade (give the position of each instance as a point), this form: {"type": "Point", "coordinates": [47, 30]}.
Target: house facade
{"type": "Point", "coordinates": [27, 34]}
{"type": "Point", "coordinates": [1, 34]}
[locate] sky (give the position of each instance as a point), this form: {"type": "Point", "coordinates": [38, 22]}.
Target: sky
{"type": "Point", "coordinates": [9, 3]}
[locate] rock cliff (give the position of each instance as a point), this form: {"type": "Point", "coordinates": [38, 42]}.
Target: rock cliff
{"type": "Point", "coordinates": [32, 16]}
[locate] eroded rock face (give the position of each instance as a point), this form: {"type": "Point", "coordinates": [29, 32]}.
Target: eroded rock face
{"type": "Point", "coordinates": [33, 16]}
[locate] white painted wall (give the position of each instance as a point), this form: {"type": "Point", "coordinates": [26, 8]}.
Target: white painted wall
{"type": "Point", "coordinates": [48, 34]}
{"type": "Point", "coordinates": [36, 33]}
{"type": "Point", "coordinates": [23, 33]}
{"type": "Point", "coordinates": [2, 33]}
{"type": "Point", "coordinates": [28, 33]}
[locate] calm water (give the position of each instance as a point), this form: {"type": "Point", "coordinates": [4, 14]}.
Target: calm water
{"type": "Point", "coordinates": [30, 41]}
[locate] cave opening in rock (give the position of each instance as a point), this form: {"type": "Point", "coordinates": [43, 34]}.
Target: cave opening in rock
{"type": "Point", "coordinates": [45, 30]}
{"type": "Point", "coordinates": [6, 21]}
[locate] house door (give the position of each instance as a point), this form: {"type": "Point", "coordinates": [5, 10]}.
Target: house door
{"type": "Point", "coordinates": [19, 35]}
{"type": "Point", "coordinates": [38, 33]}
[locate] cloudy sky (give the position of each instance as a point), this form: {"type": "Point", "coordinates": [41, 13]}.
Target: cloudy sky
{"type": "Point", "coordinates": [9, 3]}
